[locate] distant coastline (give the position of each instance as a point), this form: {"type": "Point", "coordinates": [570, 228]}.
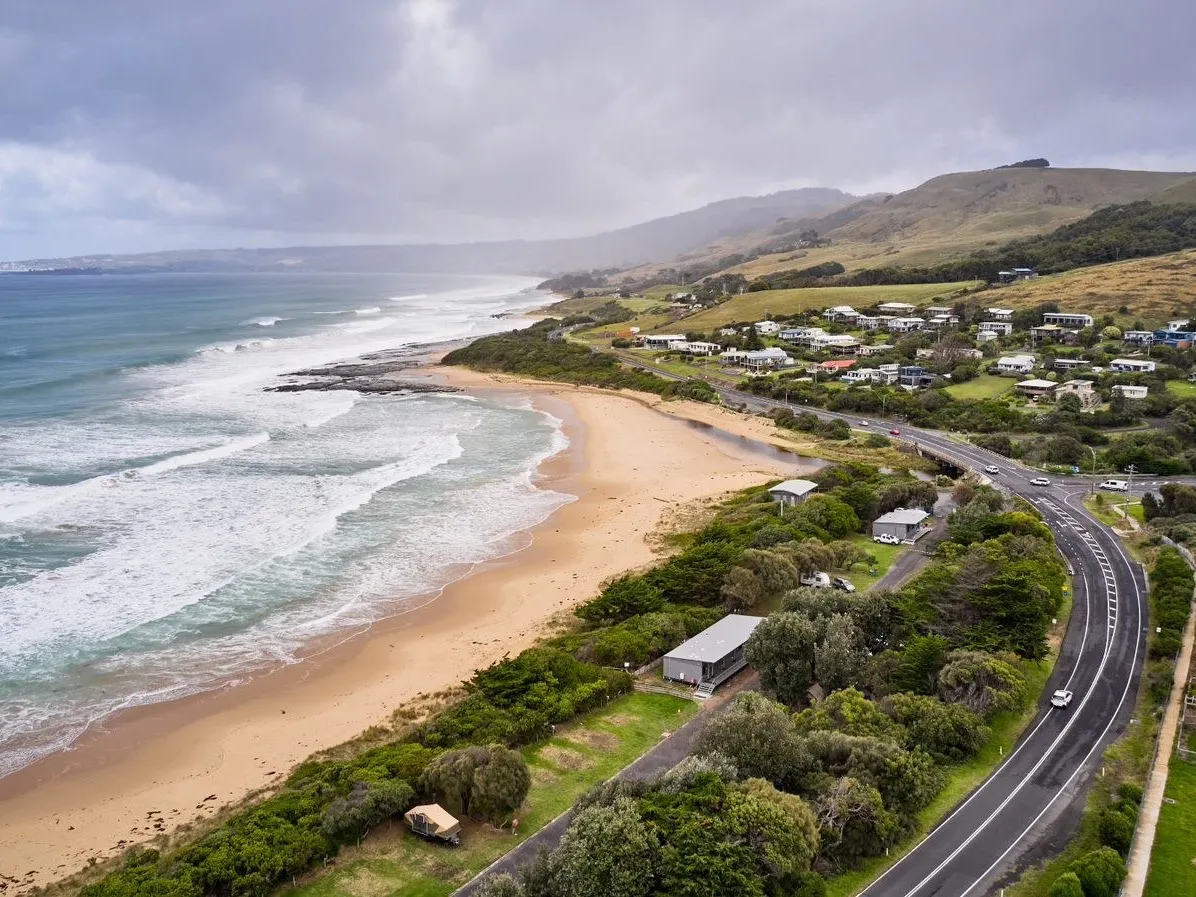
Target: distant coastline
{"type": "Point", "coordinates": [64, 271]}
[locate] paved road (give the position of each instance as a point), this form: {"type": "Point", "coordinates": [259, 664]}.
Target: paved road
{"type": "Point", "coordinates": [1055, 762]}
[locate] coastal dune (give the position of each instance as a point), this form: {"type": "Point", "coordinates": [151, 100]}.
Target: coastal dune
{"type": "Point", "coordinates": [148, 771]}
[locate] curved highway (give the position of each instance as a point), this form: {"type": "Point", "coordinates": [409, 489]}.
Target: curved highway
{"type": "Point", "coordinates": [1055, 761]}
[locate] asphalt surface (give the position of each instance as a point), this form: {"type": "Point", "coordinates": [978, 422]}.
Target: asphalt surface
{"type": "Point", "coordinates": [1053, 765]}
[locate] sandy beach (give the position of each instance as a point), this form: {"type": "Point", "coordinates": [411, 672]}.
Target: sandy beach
{"type": "Point", "coordinates": [633, 464]}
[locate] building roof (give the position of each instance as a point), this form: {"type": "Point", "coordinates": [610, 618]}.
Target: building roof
{"type": "Point", "coordinates": [903, 515]}
{"type": "Point", "coordinates": [1038, 384]}
{"type": "Point", "coordinates": [795, 487]}
{"type": "Point", "coordinates": [1131, 361]}
{"type": "Point", "coordinates": [763, 354]}
{"type": "Point", "coordinates": [1016, 359]}
{"type": "Point", "coordinates": [435, 814]}
{"type": "Point", "coordinates": [668, 336]}
{"type": "Point", "coordinates": [719, 640]}
{"type": "Point", "coordinates": [1051, 327]}
{"type": "Point", "coordinates": [838, 365]}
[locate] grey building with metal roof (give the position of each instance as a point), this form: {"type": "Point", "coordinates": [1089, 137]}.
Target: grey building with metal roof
{"type": "Point", "coordinates": [792, 492]}
{"type": "Point", "coordinates": [904, 523]}
{"type": "Point", "coordinates": [713, 655]}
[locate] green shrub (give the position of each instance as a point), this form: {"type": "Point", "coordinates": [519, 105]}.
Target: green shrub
{"type": "Point", "coordinates": [1116, 830]}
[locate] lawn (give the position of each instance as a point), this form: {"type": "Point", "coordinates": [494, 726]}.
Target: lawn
{"type": "Point", "coordinates": [1173, 857]}
{"type": "Point", "coordinates": [1182, 388]}
{"type": "Point", "coordinates": [757, 306]}
{"type": "Point", "coordinates": [582, 754]}
{"type": "Point", "coordinates": [986, 386]}
{"type": "Point", "coordinates": [885, 556]}
{"type": "Point", "coordinates": [1105, 513]}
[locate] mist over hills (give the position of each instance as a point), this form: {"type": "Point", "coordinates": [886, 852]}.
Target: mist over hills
{"type": "Point", "coordinates": [649, 241]}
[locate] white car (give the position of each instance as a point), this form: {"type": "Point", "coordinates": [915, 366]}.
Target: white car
{"type": "Point", "coordinates": [991, 468]}
{"type": "Point", "coordinates": [1040, 481]}
{"type": "Point", "coordinates": [1115, 485]}
{"type": "Point", "coordinates": [817, 579]}
{"type": "Point", "coordinates": [886, 539]}
{"type": "Point", "coordinates": [1061, 698]}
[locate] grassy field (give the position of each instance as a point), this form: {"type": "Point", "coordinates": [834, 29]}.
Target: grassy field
{"type": "Point", "coordinates": [394, 862]}
{"type": "Point", "coordinates": [885, 556]}
{"type": "Point", "coordinates": [1152, 289]}
{"type": "Point", "coordinates": [986, 386]}
{"type": "Point", "coordinates": [758, 306]}
{"type": "Point", "coordinates": [1182, 388]}
{"type": "Point", "coordinates": [1173, 857]}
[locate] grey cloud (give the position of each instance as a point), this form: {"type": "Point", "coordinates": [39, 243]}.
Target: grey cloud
{"type": "Point", "coordinates": [283, 120]}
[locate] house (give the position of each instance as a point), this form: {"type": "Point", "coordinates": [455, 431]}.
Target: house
{"type": "Point", "coordinates": [936, 310]}
{"type": "Point", "coordinates": [1176, 339]}
{"type": "Point", "coordinates": [904, 523]}
{"type": "Point", "coordinates": [896, 308]}
{"type": "Point", "coordinates": [765, 358]}
{"type": "Point", "coordinates": [986, 336]}
{"type": "Point", "coordinates": [945, 320]}
{"type": "Point", "coordinates": [835, 342]}
{"type": "Point", "coordinates": [999, 314]}
{"type": "Point", "coordinates": [1070, 364]}
{"type": "Point", "coordinates": [1015, 364]}
{"type": "Point", "coordinates": [862, 375]}
{"type": "Point", "coordinates": [701, 348]}
{"type": "Point", "coordinates": [727, 331]}
{"type": "Point", "coordinates": [905, 325]}
{"type": "Point", "coordinates": [835, 367]}
{"type": "Point", "coordinates": [767, 328]}
{"type": "Point", "coordinates": [1052, 333]}
{"type": "Point", "coordinates": [434, 821]}
{"type": "Point", "coordinates": [1131, 392]}
{"type": "Point", "coordinates": [1081, 389]}
{"type": "Point", "coordinates": [1067, 319]}
{"type": "Point", "coordinates": [1179, 326]}
{"type": "Point", "coordinates": [662, 340]}
{"type": "Point", "coordinates": [678, 345]}
{"type": "Point", "coordinates": [1001, 328]}
{"type": "Point", "coordinates": [1131, 366]}
{"type": "Point", "coordinates": [869, 351]}
{"type": "Point", "coordinates": [1035, 388]}
{"type": "Point", "coordinates": [714, 655]}
{"type": "Point", "coordinates": [923, 353]}
{"type": "Point", "coordinates": [732, 356]}
{"type": "Point", "coordinates": [864, 322]}
{"type": "Point", "coordinates": [792, 492]}
{"type": "Point", "coordinates": [801, 336]}
{"type": "Point", "coordinates": [1016, 274]}
{"type": "Point", "coordinates": [913, 376]}
{"type": "Point", "coordinates": [843, 313]}
{"type": "Point", "coordinates": [1138, 337]}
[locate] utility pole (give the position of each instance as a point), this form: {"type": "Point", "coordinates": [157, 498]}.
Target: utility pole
{"type": "Point", "coordinates": [1092, 485]}
{"type": "Point", "coordinates": [1129, 488]}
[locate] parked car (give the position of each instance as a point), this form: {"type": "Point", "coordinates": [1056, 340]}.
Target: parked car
{"type": "Point", "coordinates": [1061, 698]}
{"type": "Point", "coordinates": [1040, 481]}
{"type": "Point", "coordinates": [1115, 485]}
{"type": "Point", "coordinates": [885, 539]}
{"type": "Point", "coordinates": [894, 432]}
{"type": "Point", "coordinates": [843, 584]}
{"type": "Point", "coordinates": [991, 468]}
{"type": "Point", "coordinates": [817, 579]}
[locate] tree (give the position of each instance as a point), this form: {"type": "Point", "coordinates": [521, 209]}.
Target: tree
{"type": "Point", "coordinates": [502, 885]}
{"type": "Point", "coordinates": [780, 827]}
{"type": "Point", "coordinates": [848, 711]}
{"type": "Point", "coordinates": [1111, 333]}
{"type": "Point", "coordinates": [948, 732]}
{"type": "Point", "coordinates": [983, 683]}
{"type": "Point", "coordinates": [490, 782]}
{"type": "Point", "coordinates": [759, 575]}
{"type": "Point", "coordinates": [921, 662]}
{"type": "Point", "coordinates": [1067, 885]}
{"type": "Point", "coordinates": [367, 804]}
{"type": "Point", "coordinates": [861, 498]}
{"type": "Point", "coordinates": [1100, 872]}
{"type": "Point", "coordinates": [607, 851]}
{"type": "Point", "coordinates": [853, 822]}
{"type": "Point", "coordinates": [839, 657]}
{"type": "Point", "coordinates": [1116, 830]}
{"type": "Point", "coordinates": [756, 734]}
{"type": "Point", "coordinates": [828, 514]}
{"type": "Point", "coordinates": [621, 598]}
{"type": "Point", "coordinates": [782, 649]}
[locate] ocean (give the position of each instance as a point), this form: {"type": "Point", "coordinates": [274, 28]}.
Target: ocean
{"type": "Point", "coordinates": [168, 527]}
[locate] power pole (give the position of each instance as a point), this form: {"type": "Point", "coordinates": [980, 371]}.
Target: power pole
{"type": "Point", "coordinates": [1129, 488]}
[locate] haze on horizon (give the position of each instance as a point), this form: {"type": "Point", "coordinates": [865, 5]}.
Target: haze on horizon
{"type": "Point", "coordinates": [140, 125]}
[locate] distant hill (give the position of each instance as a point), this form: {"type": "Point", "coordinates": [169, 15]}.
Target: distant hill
{"type": "Point", "coordinates": [660, 238]}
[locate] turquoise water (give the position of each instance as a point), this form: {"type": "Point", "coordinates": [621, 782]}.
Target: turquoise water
{"type": "Point", "coordinates": [167, 526]}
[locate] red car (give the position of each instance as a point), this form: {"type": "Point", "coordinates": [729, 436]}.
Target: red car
{"type": "Point", "coordinates": [894, 432]}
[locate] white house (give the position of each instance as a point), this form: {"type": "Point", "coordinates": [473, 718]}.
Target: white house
{"type": "Point", "coordinates": [1070, 364]}
{"type": "Point", "coordinates": [802, 336]}
{"type": "Point", "coordinates": [1138, 337]}
{"type": "Point", "coordinates": [1001, 328]}
{"type": "Point", "coordinates": [942, 320]}
{"type": "Point", "coordinates": [766, 358]}
{"type": "Point", "coordinates": [727, 331]}
{"type": "Point", "coordinates": [1131, 392]}
{"type": "Point", "coordinates": [864, 322]}
{"type": "Point", "coordinates": [1000, 314]}
{"type": "Point", "coordinates": [869, 351]}
{"type": "Point", "coordinates": [678, 345]}
{"type": "Point", "coordinates": [662, 340]}
{"type": "Point", "coordinates": [1179, 326]}
{"type": "Point", "coordinates": [701, 348]}
{"type": "Point", "coordinates": [897, 308]}
{"type": "Point", "coordinates": [1131, 366]}
{"type": "Point", "coordinates": [1035, 388]}
{"type": "Point", "coordinates": [862, 375]}
{"type": "Point", "coordinates": [986, 336]}
{"type": "Point", "coordinates": [732, 356]}
{"type": "Point", "coordinates": [1015, 364]}
{"type": "Point", "coordinates": [936, 310]}
{"type": "Point", "coordinates": [905, 325]}
{"type": "Point", "coordinates": [1067, 319]}
{"type": "Point", "coordinates": [843, 313]}
{"type": "Point", "coordinates": [767, 328]}
{"type": "Point", "coordinates": [835, 342]}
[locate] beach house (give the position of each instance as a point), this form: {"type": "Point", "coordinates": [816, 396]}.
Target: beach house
{"type": "Point", "coordinates": [1015, 364]}
{"type": "Point", "coordinates": [843, 314]}
{"type": "Point", "coordinates": [767, 328]}
{"type": "Point", "coordinates": [1132, 366]}
{"type": "Point", "coordinates": [1001, 328]}
{"type": "Point", "coordinates": [792, 492]}
{"type": "Point", "coordinates": [903, 523]}
{"type": "Point", "coordinates": [999, 314]}
{"type": "Point", "coordinates": [1081, 389]}
{"type": "Point", "coordinates": [1067, 319]}
{"type": "Point", "coordinates": [712, 656]}
{"type": "Point", "coordinates": [1035, 389]}
{"type": "Point", "coordinates": [895, 308]}
{"type": "Point", "coordinates": [662, 340]}
{"type": "Point", "coordinates": [834, 342]}
{"type": "Point", "coordinates": [1130, 391]}
{"type": "Point", "coordinates": [906, 325]}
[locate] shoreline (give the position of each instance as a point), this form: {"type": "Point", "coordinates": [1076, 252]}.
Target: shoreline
{"type": "Point", "coordinates": [148, 771]}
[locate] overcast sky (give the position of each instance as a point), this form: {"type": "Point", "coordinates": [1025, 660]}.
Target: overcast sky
{"type": "Point", "coordinates": [130, 125]}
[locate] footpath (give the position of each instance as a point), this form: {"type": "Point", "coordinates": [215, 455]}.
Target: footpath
{"type": "Point", "coordinates": [1138, 866]}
